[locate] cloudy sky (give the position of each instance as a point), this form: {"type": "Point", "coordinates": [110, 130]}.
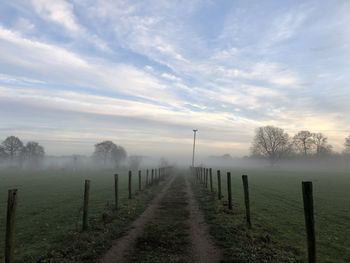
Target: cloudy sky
{"type": "Point", "coordinates": [145, 73]}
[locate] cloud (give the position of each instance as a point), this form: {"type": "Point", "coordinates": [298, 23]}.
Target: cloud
{"type": "Point", "coordinates": [59, 11]}
{"type": "Point", "coordinates": [162, 68]}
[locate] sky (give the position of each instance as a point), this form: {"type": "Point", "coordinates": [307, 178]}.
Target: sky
{"type": "Point", "coordinates": [145, 73]}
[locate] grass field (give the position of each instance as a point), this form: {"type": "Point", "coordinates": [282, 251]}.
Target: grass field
{"type": "Point", "coordinates": [50, 202]}
{"type": "Point", "coordinates": [276, 203]}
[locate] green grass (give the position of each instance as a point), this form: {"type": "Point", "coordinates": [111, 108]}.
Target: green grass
{"type": "Point", "coordinates": [50, 204]}
{"type": "Point", "coordinates": [276, 203]}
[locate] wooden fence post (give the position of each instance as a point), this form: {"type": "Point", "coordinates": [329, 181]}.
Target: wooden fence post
{"type": "Point", "coordinates": [10, 226]}
{"type": "Point", "coordinates": [229, 190]}
{"type": "Point", "coordinates": [130, 175]}
{"type": "Point", "coordinates": [309, 221]}
{"type": "Point", "coordinates": [147, 182]}
{"type": "Point", "coordinates": [211, 179]}
{"type": "Point", "coordinates": [246, 199]}
{"type": "Point", "coordinates": [206, 177]}
{"type": "Point", "coordinates": [86, 205]}
{"type": "Point", "coordinates": [140, 187]}
{"type": "Point", "coordinates": [219, 185]}
{"type": "Point", "coordinates": [152, 177]}
{"type": "Point", "coordinates": [116, 177]}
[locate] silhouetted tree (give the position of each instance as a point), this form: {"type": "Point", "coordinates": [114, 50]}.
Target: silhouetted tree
{"type": "Point", "coordinates": [135, 161]}
{"type": "Point", "coordinates": [109, 153]}
{"type": "Point", "coordinates": [33, 154]}
{"type": "Point", "coordinates": [321, 144]}
{"type": "Point", "coordinates": [271, 142]}
{"type": "Point", "coordinates": [304, 142]}
{"type": "Point", "coordinates": [13, 147]}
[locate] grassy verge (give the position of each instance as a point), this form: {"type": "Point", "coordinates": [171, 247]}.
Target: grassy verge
{"type": "Point", "coordinates": [276, 204]}
{"type": "Point", "coordinates": [166, 238]}
{"type": "Point", "coordinates": [240, 244]}
{"type": "Point", "coordinates": [49, 213]}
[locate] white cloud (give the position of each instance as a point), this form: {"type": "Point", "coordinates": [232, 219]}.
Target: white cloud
{"type": "Point", "coordinates": [58, 11]}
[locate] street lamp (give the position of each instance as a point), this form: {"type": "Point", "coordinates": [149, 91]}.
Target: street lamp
{"type": "Point", "coordinates": [194, 145]}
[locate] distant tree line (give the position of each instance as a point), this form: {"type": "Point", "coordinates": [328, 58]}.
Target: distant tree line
{"type": "Point", "coordinates": [274, 144]}
{"type": "Point", "coordinates": [15, 153]}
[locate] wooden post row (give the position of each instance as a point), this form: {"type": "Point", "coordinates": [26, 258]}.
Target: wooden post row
{"type": "Point", "coordinates": [246, 200]}
{"type": "Point", "coordinates": [206, 177]}
{"type": "Point", "coordinates": [86, 205]}
{"type": "Point", "coordinates": [229, 191]}
{"type": "Point", "coordinates": [219, 185]}
{"type": "Point", "coordinates": [10, 226]}
{"type": "Point", "coordinates": [147, 181]}
{"type": "Point", "coordinates": [211, 179]}
{"type": "Point", "coordinates": [152, 177]}
{"type": "Point", "coordinates": [309, 221]}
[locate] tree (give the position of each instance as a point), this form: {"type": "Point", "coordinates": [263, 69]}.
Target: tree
{"type": "Point", "coordinates": [347, 145]}
{"type": "Point", "coordinates": [304, 142]}
{"type": "Point", "coordinates": [12, 146]}
{"type": "Point", "coordinates": [109, 154]}
{"type": "Point", "coordinates": [321, 144]}
{"type": "Point", "coordinates": [271, 142]}
{"type": "Point", "coordinates": [135, 161]}
{"type": "Point", "coordinates": [33, 154]}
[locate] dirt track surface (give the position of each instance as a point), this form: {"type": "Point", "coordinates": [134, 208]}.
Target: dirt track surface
{"type": "Point", "coordinates": [172, 229]}
{"type": "Point", "coordinates": [203, 248]}
{"type": "Point", "coordinates": [122, 247]}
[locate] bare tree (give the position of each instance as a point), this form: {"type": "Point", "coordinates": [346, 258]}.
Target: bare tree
{"type": "Point", "coordinates": [304, 142]}
{"type": "Point", "coordinates": [347, 145]}
{"type": "Point", "coordinates": [322, 146]}
{"type": "Point", "coordinates": [109, 153]}
{"type": "Point", "coordinates": [33, 154]}
{"type": "Point", "coordinates": [271, 142]}
{"type": "Point", "coordinates": [135, 161]}
{"type": "Point", "coordinates": [12, 146]}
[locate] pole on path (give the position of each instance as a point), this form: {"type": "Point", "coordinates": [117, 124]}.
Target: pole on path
{"type": "Point", "coordinates": [116, 177]}
{"type": "Point", "coordinates": [10, 226]}
{"type": "Point", "coordinates": [86, 205]}
{"type": "Point", "coordinates": [129, 184]}
{"type": "Point", "coordinates": [229, 191]}
{"type": "Point", "coordinates": [194, 146]}
{"type": "Point", "coordinates": [246, 200]}
{"type": "Point", "coordinates": [309, 221]}
{"type": "Point", "coordinates": [140, 187]}
{"type": "Point", "coordinates": [219, 185]}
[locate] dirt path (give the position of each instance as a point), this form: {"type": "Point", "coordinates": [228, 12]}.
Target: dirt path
{"type": "Point", "coordinates": [122, 247]}
{"type": "Point", "coordinates": [172, 229]}
{"type": "Point", "coordinates": [203, 248]}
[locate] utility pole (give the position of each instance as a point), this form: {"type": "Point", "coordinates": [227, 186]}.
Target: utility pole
{"type": "Point", "coordinates": [194, 145]}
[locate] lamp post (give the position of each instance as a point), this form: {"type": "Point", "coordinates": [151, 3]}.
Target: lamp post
{"type": "Point", "coordinates": [194, 145]}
